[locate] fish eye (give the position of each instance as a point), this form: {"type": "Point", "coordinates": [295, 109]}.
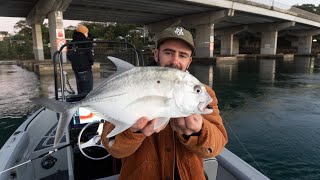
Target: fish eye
{"type": "Point", "coordinates": [197, 89]}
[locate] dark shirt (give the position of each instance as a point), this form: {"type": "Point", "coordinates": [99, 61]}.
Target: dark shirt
{"type": "Point", "coordinates": [80, 54]}
{"type": "Point", "coordinates": [153, 63]}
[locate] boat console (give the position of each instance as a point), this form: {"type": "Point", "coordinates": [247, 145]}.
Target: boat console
{"type": "Point", "coordinates": [83, 128]}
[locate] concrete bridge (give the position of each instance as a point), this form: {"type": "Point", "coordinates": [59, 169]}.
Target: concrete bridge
{"type": "Point", "coordinates": [206, 18]}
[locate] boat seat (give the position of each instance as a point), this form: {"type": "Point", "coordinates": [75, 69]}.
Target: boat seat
{"type": "Point", "coordinates": [210, 166]}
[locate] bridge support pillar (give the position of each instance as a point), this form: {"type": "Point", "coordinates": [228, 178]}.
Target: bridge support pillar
{"type": "Point", "coordinates": [229, 44]}
{"type": "Point", "coordinates": [204, 27]}
{"type": "Point", "coordinates": [304, 44]}
{"type": "Point", "coordinates": [204, 40]}
{"type": "Point", "coordinates": [269, 33]}
{"type": "Point", "coordinates": [269, 42]}
{"type": "Point", "coordinates": [235, 49]}
{"type": "Point", "coordinates": [53, 10]}
{"type": "Point", "coordinates": [56, 32]}
{"type": "Point", "coordinates": [37, 42]}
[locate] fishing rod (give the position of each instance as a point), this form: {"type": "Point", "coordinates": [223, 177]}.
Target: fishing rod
{"type": "Point", "coordinates": [40, 156]}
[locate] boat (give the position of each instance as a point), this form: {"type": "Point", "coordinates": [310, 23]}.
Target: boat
{"type": "Point", "coordinates": [29, 152]}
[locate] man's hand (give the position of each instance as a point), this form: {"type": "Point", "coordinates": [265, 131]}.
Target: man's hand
{"type": "Point", "coordinates": [146, 127]}
{"type": "Point", "coordinates": [188, 125]}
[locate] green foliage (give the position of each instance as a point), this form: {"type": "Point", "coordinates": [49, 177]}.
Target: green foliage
{"type": "Point", "coordinates": [69, 31]}
{"type": "Point", "coordinates": [18, 46]}
{"type": "Point", "coordinates": [4, 50]}
{"type": "Point", "coordinates": [310, 8]}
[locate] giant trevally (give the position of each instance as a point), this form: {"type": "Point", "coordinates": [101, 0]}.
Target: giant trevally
{"type": "Point", "coordinates": [135, 92]}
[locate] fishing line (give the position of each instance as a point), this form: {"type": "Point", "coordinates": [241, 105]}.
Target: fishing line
{"type": "Point", "coordinates": [232, 131]}
{"type": "Point", "coordinates": [9, 126]}
{"type": "Point", "coordinates": [40, 156]}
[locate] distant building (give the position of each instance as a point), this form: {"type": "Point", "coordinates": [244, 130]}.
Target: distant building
{"type": "Point", "coordinates": [3, 34]}
{"type": "Point", "coordinates": [12, 41]}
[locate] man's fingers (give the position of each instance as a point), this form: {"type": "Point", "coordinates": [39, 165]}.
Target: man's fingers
{"type": "Point", "coordinates": [180, 131]}
{"type": "Point", "coordinates": [180, 122]}
{"type": "Point", "coordinates": [187, 132]}
{"type": "Point", "coordinates": [176, 128]}
{"type": "Point", "coordinates": [148, 129]}
{"type": "Point", "coordinates": [190, 122]}
{"type": "Point", "coordinates": [194, 122]}
{"type": "Point", "coordinates": [187, 125]}
{"type": "Point", "coordinates": [140, 124]}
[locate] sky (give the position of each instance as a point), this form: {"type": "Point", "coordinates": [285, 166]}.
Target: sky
{"type": "Point", "coordinates": [6, 24]}
{"type": "Point", "coordinates": [293, 2]}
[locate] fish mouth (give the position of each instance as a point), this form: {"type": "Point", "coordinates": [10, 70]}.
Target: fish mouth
{"type": "Point", "coordinates": [205, 108]}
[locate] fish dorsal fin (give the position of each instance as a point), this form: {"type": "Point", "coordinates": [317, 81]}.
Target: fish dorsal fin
{"type": "Point", "coordinates": [121, 65]}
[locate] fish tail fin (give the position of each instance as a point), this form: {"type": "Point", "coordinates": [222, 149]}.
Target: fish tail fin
{"type": "Point", "coordinates": [66, 111]}
{"type": "Point", "coordinates": [64, 120]}
{"type": "Point", "coordinates": [54, 105]}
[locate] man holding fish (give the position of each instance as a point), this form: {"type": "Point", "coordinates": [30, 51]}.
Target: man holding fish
{"type": "Point", "coordinates": [176, 149]}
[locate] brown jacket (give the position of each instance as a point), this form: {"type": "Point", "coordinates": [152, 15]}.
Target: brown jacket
{"type": "Point", "coordinates": [154, 157]}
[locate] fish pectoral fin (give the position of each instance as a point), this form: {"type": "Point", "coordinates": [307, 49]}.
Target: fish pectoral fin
{"type": "Point", "coordinates": [119, 127]}
{"type": "Point", "coordinates": [161, 121]}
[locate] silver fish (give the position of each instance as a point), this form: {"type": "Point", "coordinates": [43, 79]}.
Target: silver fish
{"type": "Point", "coordinates": [133, 92]}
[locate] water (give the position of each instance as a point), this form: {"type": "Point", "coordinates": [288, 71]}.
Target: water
{"type": "Point", "coordinates": [17, 86]}
{"type": "Point", "coordinates": [271, 109]}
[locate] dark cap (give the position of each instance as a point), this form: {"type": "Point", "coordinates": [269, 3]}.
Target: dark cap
{"type": "Point", "coordinates": [176, 33]}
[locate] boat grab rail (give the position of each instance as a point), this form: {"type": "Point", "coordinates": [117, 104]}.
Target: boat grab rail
{"type": "Point", "coordinates": [58, 56]}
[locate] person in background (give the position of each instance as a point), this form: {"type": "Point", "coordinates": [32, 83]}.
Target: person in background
{"type": "Point", "coordinates": [81, 57]}
{"type": "Point", "coordinates": [175, 151]}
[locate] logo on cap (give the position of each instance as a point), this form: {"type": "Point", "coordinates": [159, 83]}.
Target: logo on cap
{"type": "Point", "coordinates": [179, 31]}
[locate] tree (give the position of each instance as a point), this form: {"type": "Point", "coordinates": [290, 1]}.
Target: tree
{"type": "Point", "coordinates": [69, 31]}
{"type": "Point", "coordinates": [309, 7]}
{"type": "Point", "coordinates": [23, 30]}
{"type": "Point", "coordinates": [4, 50]}
{"type": "Point", "coordinates": [21, 43]}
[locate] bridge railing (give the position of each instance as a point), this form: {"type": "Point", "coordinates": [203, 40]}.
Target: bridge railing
{"type": "Point", "coordinates": [286, 8]}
